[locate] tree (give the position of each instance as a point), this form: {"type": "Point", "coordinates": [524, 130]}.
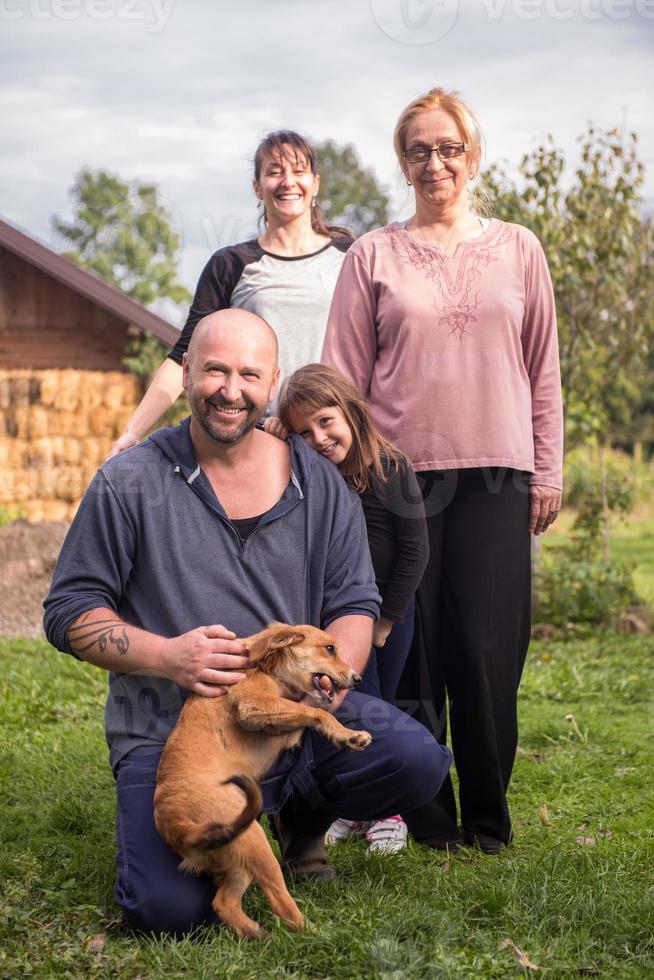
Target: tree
{"type": "Point", "coordinates": [123, 232]}
{"type": "Point", "coordinates": [599, 246]}
{"type": "Point", "coordinates": [350, 194]}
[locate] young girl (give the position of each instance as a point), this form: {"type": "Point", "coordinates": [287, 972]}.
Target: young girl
{"type": "Point", "coordinates": [319, 404]}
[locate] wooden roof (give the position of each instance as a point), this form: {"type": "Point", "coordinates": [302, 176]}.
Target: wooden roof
{"type": "Point", "coordinates": [85, 282]}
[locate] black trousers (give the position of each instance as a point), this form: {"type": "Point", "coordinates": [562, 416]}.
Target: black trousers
{"type": "Point", "coordinates": [470, 641]}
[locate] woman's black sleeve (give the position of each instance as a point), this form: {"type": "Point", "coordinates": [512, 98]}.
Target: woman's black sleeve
{"type": "Point", "coordinates": [213, 292]}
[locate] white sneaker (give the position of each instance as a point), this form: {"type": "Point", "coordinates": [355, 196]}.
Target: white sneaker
{"type": "Point", "coordinates": [341, 829]}
{"type": "Point", "coordinates": [387, 836]}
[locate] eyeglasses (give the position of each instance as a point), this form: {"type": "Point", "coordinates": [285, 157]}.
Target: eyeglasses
{"type": "Point", "coordinates": [446, 151]}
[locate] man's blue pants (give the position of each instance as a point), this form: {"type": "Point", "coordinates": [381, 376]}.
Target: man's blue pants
{"type": "Point", "coordinates": [402, 769]}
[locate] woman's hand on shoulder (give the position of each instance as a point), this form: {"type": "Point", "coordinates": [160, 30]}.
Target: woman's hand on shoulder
{"type": "Point", "coordinates": [544, 507]}
{"type": "Point", "coordinates": [125, 441]}
{"type": "Point", "coordinates": [274, 427]}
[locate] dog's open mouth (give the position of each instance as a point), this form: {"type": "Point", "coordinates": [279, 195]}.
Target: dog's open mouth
{"type": "Point", "coordinates": [325, 686]}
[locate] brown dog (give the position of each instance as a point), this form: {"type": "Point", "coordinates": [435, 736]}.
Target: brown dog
{"type": "Point", "coordinates": [221, 747]}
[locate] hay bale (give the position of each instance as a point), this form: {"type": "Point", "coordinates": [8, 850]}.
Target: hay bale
{"type": "Point", "coordinates": [92, 387]}
{"type": "Point", "coordinates": [5, 390]}
{"type": "Point", "coordinates": [68, 483]}
{"type": "Point", "coordinates": [19, 485]}
{"type": "Point", "coordinates": [72, 451]}
{"type": "Point", "coordinates": [56, 428]}
{"type": "Point", "coordinates": [38, 454]}
{"type": "Point", "coordinates": [37, 511]}
{"type": "Point", "coordinates": [68, 423]}
{"type": "Point", "coordinates": [88, 473]}
{"type": "Point", "coordinates": [20, 418]}
{"type": "Point", "coordinates": [49, 383]}
{"type": "Point", "coordinates": [58, 446]}
{"type": "Point", "coordinates": [86, 387]}
{"type": "Point", "coordinates": [19, 389]}
{"type": "Point", "coordinates": [100, 422]}
{"type": "Point", "coordinates": [114, 396]}
{"type": "Point", "coordinates": [69, 395]}
{"type": "Point", "coordinates": [11, 452]}
{"type": "Point", "coordinates": [38, 421]}
{"type": "Point", "coordinates": [96, 449]}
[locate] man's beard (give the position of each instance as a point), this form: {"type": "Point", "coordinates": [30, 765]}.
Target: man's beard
{"type": "Point", "coordinates": [229, 436]}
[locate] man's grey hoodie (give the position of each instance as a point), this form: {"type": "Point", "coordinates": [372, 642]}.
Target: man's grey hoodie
{"type": "Point", "coordinates": [152, 542]}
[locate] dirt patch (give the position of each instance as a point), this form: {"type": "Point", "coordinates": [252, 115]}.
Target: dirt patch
{"type": "Point", "coordinates": [28, 553]}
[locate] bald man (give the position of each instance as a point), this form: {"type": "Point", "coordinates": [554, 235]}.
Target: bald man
{"type": "Point", "coordinates": [207, 531]}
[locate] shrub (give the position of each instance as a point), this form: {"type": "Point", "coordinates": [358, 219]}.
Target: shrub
{"type": "Point", "coordinates": [628, 479]}
{"type": "Point", "coordinates": [10, 514]}
{"type": "Point", "coordinates": [585, 590]}
{"type": "Point", "coordinates": [580, 583]}
{"type": "Point", "coordinates": [144, 354]}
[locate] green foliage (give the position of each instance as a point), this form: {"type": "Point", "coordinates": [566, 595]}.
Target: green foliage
{"type": "Point", "coordinates": [581, 584]}
{"type": "Point", "coordinates": [349, 193]}
{"type": "Point", "coordinates": [123, 232]}
{"type": "Point", "coordinates": [144, 354]}
{"type": "Point", "coordinates": [10, 514]}
{"type": "Point", "coordinates": [602, 485]}
{"type": "Point", "coordinates": [585, 590]}
{"type": "Point", "coordinates": [599, 246]}
{"type": "Point", "coordinates": [574, 908]}
{"type": "Point", "coordinates": [629, 480]}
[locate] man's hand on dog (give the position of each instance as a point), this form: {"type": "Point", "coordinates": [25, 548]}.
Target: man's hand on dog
{"type": "Point", "coordinates": [205, 660]}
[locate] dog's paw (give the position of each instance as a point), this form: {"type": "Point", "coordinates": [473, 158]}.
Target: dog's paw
{"type": "Point", "coordinates": [358, 740]}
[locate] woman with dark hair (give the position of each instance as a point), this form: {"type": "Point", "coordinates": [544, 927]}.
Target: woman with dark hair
{"type": "Point", "coordinates": [287, 275]}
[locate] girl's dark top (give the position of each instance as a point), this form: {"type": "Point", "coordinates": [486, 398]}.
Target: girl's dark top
{"type": "Point", "coordinates": [397, 535]}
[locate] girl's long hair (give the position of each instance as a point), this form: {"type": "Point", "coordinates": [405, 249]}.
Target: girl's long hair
{"type": "Point", "coordinates": [277, 145]}
{"type": "Point", "coordinates": [315, 387]}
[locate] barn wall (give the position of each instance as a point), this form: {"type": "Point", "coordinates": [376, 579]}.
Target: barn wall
{"type": "Point", "coordinates": [44, 324]}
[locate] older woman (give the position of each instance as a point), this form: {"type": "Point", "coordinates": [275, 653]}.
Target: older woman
{"type": "Point", "coordinates": [446, 323]}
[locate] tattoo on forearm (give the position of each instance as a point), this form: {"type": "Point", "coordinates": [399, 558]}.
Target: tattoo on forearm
{"type": "Point", "coordinates": [100, 634]}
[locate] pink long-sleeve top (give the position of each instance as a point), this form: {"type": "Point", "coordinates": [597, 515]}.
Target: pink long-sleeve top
{"type": "Point", "coordinates": [457, 356]}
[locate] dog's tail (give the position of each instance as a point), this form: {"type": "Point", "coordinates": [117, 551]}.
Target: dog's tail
{"type": "Point", "coordinates": [214, 835]}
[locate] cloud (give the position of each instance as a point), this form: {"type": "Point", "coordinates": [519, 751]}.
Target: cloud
{"type": "Point", "coordinates": [186, 105]}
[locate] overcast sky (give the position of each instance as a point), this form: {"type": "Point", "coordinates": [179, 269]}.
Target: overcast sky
{"type": "Point", "coordinates": [180, 91]}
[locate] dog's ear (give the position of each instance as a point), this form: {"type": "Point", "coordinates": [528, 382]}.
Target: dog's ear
{"type": "Point", "coordinates": [275, 637]}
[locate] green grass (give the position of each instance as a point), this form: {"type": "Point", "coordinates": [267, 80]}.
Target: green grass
{"type": "Point", "coordinates": [632, 540]}
{"type": "Point", "coordinates": [575, 910]}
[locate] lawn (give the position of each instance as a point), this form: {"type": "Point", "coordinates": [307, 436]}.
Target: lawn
{"type": "Point", "coordinates": [575, 892]}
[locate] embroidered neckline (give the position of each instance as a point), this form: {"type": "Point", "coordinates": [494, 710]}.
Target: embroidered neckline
{"type": "Point", "coordinates": [467, 242]}
{"type": "Point", "coordinates": [455, 303]}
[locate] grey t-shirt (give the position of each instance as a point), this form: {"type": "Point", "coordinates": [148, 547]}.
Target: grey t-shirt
{"type": "Point", "coordinates": [293, 294]}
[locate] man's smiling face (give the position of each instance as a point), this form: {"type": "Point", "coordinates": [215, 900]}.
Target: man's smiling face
{"type": "Point", "coordinates": [230, 374]}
